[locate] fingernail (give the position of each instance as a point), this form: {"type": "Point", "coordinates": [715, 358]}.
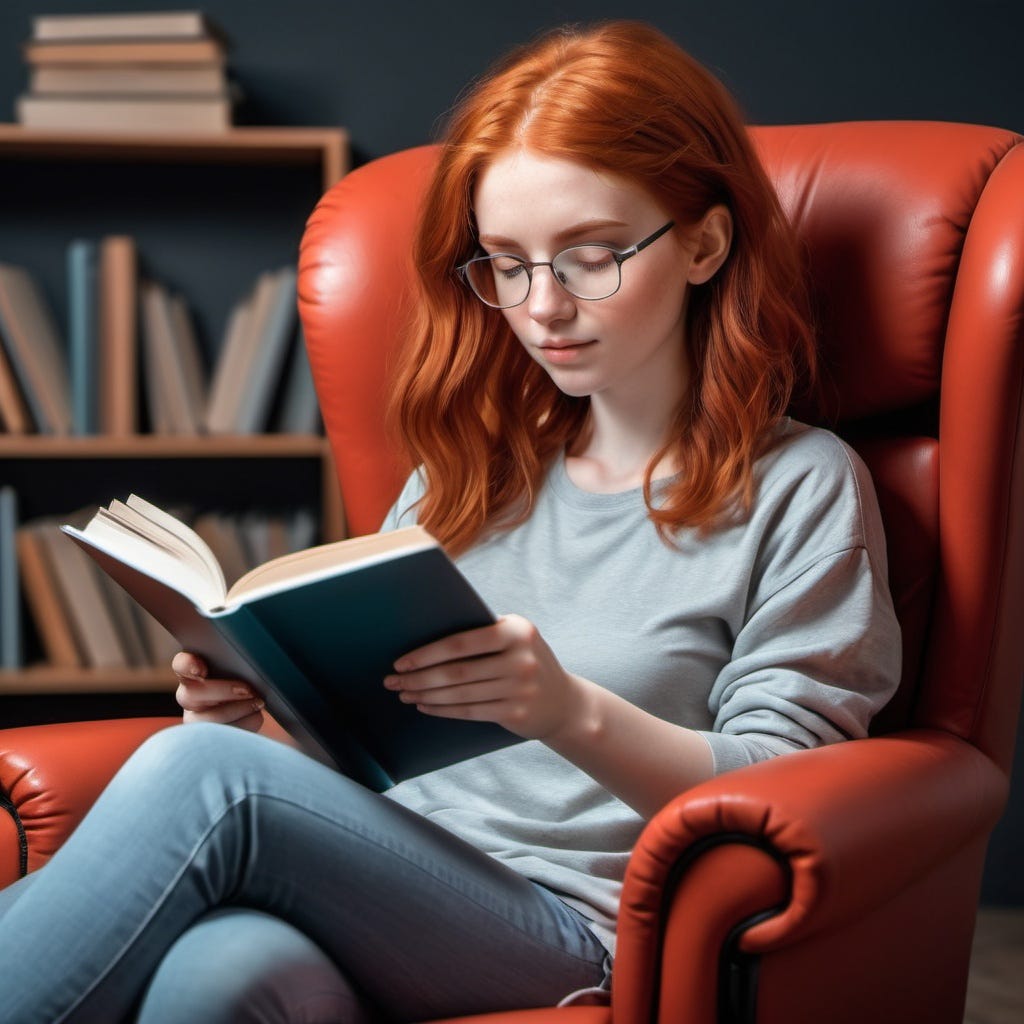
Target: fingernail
{"type": "Point", "coordinates": [195, 669]}
{"type": "Point", "coordinates": [241, 691]}
{"type": "Point", "coordinates": [391, 682]}
{"type": "Point", "coordinates": [402, 664]}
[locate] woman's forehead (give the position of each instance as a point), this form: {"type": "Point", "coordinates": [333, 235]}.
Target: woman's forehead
{"type": "Point", "coordinates": [522, 185]}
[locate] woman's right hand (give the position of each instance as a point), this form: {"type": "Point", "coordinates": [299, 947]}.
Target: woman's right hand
{"type": "Point", "coordinates": [227, 701]}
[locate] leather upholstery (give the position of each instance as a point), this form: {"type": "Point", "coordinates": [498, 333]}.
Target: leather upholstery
{"type": "Point", "coordinates": [837, 884]}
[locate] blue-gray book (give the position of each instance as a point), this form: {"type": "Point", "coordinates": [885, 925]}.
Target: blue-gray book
{"type": "Point", "coordinates": [10, 595]}
{"type": "Point", "coordinates": [315, 632]}
{"type": "Point", "coordinates": [83, 336]}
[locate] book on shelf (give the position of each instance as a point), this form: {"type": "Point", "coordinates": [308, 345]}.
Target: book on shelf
{"type": "Point", "coordinates": [35, 349]}
{"type": "Point", "coordinates": [172, 368]}
{"type": "Point", "coordinates": [126, 114]}
{"type": "Point", "coordinates": [14, 415]}
{"type": "Point", "coordinates": [268, 350]}
{"type": "Point", "coordinates": [82, 595]}
{"type": "Point", "coordinates": [43, 597]}
{"type": "Point", "coordinates": [298, 411]}
{"type": "Point", "coordinates": [10, 591]}
{"type": "Point", "coordinates": [247, 325]}
{"type": "Point", "coordinates": [118, 306]}
{"type": "Point", "coordinates": [129, 80]}
{"type": "Point", "coordinates": [83, 335]}
{"type": "Point", "coordinates": [62, 28]}
{"type": "Point", "coordinates": [315, 632]}
{"type": "Point", "coordinates": [189, 352]}
{"type": "Point", "coordinates": [132, 51]}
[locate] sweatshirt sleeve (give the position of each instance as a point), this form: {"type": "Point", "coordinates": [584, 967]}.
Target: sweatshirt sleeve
{"type": "Point", "coordinates": [818, 652]}
{"type": "Point", "coordinates": [811, 666]}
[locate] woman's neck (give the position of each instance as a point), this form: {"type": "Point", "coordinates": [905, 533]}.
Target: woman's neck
{"type": "Point", "coordinates": [613, 452]}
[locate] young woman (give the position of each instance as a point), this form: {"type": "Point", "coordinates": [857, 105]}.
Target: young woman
{"type": "Point", "coordinates": [610, 332]}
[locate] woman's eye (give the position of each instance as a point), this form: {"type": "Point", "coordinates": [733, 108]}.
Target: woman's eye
{"type": "Point", "coordinates": [508, 267]}
{"type": "Point", "coordinates": [592, 260]}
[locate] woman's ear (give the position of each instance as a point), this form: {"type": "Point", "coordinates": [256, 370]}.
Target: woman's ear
{"type": "Point", "coordinates": [714, 238]}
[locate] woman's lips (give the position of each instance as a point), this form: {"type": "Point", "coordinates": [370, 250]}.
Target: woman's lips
{"type": "Point", "coordinates": [561, 352]}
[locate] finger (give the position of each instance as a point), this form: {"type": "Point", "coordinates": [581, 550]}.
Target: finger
{"type": "Point", "coordinates": [187, 664]}
{"type": "Point", "coordinates": [196, 694]}
{"type": "Point", "coordinates": [452, 673]}
{"type": "Point", "coordinates": [485, 711]}
{"type": "Point", "coordinates": [489, 692]}
{"type": "Point", "coordinates": [471, 644]}
{"type": "Point", "coordinates": [234, 713]}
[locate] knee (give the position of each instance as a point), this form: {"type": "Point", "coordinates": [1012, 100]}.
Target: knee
{"type": "Point", "coordinates": [187, 753]}
{"type": "Point", "coordinates": [238, 965]}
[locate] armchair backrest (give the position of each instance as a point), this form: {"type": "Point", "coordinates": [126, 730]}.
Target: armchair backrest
{"type": "Point", "coordinates": [914, 238]}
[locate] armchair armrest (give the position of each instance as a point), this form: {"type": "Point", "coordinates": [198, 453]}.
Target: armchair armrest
{"type": "Point", "coordinates": [49, 777]}
{"type": "Point", "coordinates": [833, 833]}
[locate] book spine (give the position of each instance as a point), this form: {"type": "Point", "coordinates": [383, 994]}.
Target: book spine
{"type": "Point", "coordinates": [83, 336]}
{"type": "Point", "coordinates": [185, 51]}
{"type": "Point", "coordinates": [81, 593]}
{"type": "Point", "coordinates": [118, 335]}
{"type": "Point", "coordinates": [271, 348]}
{"type": "Point", "coordinates": [35, 349]}
{"type": "Point", "coordinates": [74, 28]}
{"type": "Point", "coordinates": [299, 412]}
{"type": "Point", "coordinates": [44, 602]}
{"type": "Point", "coordinates": [10, 595]}
{"type": "Point", "coordinates": [14, 414]}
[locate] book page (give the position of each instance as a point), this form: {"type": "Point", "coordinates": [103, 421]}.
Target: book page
{"type": "Point", "coordinates": [183, 532]}
{"type": "Point", "coordinates": [149, 556]}
{"type": "Point", "coordinates": [300, 565]}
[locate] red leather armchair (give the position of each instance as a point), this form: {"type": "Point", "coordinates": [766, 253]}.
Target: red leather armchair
{"type": "Point", "coordinates": [833, 885]}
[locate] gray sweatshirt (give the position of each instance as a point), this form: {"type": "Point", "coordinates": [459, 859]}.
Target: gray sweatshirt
{"type": "Point", "coordinates": [771, 635]}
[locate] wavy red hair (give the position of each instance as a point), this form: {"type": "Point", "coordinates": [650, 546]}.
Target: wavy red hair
{"type": "Point", "coordinates": [471, 407]}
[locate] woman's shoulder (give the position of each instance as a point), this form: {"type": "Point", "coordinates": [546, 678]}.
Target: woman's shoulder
{"type": "Point", "coordinates": [812, 471]}
{"type": "Point", "coordinates": [801, 449]}
{"type": "Point", "coordinates": [403, 511]}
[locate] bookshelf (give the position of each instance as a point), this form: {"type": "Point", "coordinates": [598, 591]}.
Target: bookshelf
{"type": "Point", "coordinates": [54, 475]}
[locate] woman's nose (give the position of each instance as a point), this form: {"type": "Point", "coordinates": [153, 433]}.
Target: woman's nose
{"type": "Point", "coordinates": [548, 300]}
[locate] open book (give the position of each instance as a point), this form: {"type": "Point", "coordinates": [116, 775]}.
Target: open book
{"type": "Point", "coordinates": [315, 632]}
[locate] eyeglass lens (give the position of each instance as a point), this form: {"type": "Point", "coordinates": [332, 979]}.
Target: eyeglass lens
{"type": "Point", "coordinates": [586, 271]}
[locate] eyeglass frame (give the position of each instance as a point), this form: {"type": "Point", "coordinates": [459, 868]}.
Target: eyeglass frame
{"type": "Point", "coordinates": [618, 255]}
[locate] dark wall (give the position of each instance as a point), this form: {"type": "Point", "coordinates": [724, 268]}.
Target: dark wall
{"type": "Point", "coordinates": [388, 71]}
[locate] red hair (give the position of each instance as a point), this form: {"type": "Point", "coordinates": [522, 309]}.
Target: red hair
{"type": "Point", "coordinates": [483, 419]}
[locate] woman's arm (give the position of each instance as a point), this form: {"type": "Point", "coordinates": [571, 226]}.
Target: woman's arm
{"type": "Point", "coordinates": [507, 674]}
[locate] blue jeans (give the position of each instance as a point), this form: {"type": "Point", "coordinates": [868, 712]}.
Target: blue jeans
{"type": "Point", "coordinates": [223, 877]}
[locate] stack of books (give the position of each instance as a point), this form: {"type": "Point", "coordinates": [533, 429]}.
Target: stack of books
{"type": "Point", "coordinates": [131, 72]}
{"type": "Point", "coordinates": [125, 330]}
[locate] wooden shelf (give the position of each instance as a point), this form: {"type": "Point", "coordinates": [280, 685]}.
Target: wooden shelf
{"type": "Point", "coordinates": [40, 465]}
{"type": "Point", "coordinates": [328, 147]}
{"type": "Point", "coordinates": [160, 446]}
{"type": "Point", "coordinates": [41, 680]}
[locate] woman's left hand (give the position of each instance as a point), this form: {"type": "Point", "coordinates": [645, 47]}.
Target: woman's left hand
{"type": "Point", "coordinates": [503, 673]}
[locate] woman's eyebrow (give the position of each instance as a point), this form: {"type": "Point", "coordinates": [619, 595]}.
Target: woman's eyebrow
{"type": "Point", "coordinates": [567, 234]}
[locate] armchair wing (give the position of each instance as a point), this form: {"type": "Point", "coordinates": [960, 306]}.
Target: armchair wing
{"type": "Point", "coordinates": [837, 884]}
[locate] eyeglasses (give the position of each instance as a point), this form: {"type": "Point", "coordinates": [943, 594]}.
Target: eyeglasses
{"type": "Point", "coordinates": [585, 271]}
